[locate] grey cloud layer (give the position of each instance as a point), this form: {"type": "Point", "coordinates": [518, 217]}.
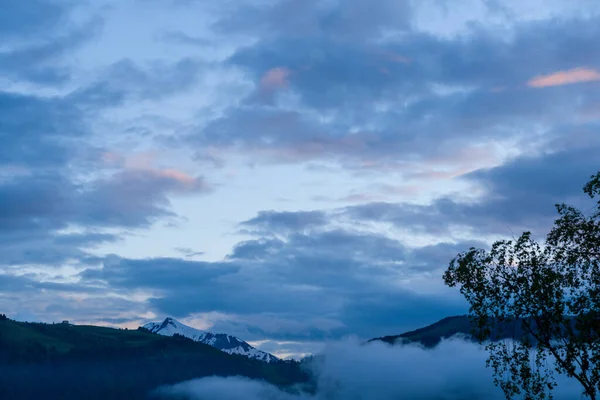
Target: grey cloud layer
{"type": "Point", "coordinates": [302, 266]}
{"type": "Point", "coordinates": [355, 20]}
{"type": "Point", "coordinates": [341, 276]}
{"type": "Point", "coordinates": [519, 195]}
{"type": "Point", "coordinates": [51, 176]}
{"type": "Point", "coordinates": [43, 139]}
{"type": "Point", "coordinates": [415, 97]}
{"type": "Point", "coordinates": [26, 19]}
{"type": "Point", "coordinates": [38, 34]}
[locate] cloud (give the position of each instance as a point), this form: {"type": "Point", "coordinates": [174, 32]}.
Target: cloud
{"type": "Point", "coordinates": [275, 78]}
{"type": "Point", "coordinates": [159, 273]}
{"type": "Point", "coordinates": [271, 82]}
{"type": "Point", "coordinates": [341, 109]}
{"type": "Point", "coordinates": [133, 197]}
{"type": "Point", "coordinates": [326, 284]}
{"type": "Point", "coordinates": [188, 252]}
{"type": "Point", "coordinates": [36, 207]}
{"type": "Point", "coordinates": [154, 80]}
{"type": "Point", "coordinates": [235, 388]}
{"type": "Point", "coordinates": [334, 279]}
{"type": "Point", "coordinates": [575, 75]}
{"type": "Point", "coordinates": [453, 370]}
{"type": "Point", "coordinates": [35, 131]}
{"type": "Point", "coordinates": [38, 58]}
{"type": "Point", "coordinates": [27, 247]}
{"type": "Point", "coordinates": [20, 19]}
{"type": "Point", "coordinates": [483, 58]}
{"type": "Point", "coordinates": [61, 197]}
{"type": "Point", "coordinates": [25, 298]}
{"type": "Point", "coordinates": [518, 196]}
{"type": "Point", "coordinates": [45, 296]}
{"type": "Point", "coordinates": [182, 38]}
{"type": "Point", "coordinates": [351, 20]}
{"type": "Point", "coordinates": [366, 269]}
{"type": "Point", "coordinates": [53, 177]}
{"type": "Point", "coordinates": [39, 136]}
{"type": "Point", "coordinates": [296, 350]}
{"type": "Point", "coordinates": [286, 221]}
{"type": "Point", "coordinates": [359, 86]}
{"type": "Point", "coordinates": [390, 55]}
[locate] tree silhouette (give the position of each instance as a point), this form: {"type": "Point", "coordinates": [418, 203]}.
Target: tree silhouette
{"type": "Point", "coordinates": [552, 290]}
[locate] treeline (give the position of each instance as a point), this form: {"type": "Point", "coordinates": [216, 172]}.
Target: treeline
{"type": "Point", "coordinates": [120, 378]}
{"type": "Point", "coordinates": [84, 349]}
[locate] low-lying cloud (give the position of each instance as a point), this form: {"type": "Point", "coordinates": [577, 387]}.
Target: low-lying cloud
{"type": "Point", "coordinates": [454, 370]}
{"type": "Point", "coordinates": [230, 388]}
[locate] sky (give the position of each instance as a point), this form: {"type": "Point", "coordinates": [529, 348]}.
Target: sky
{"type": "Point", "coordinates": [288, 171]}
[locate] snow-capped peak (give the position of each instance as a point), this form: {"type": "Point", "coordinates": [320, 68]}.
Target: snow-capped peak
{"type": "Point", "coordinates": [222, 341]}
{"type": "Point", "coordinates": [170, 327]}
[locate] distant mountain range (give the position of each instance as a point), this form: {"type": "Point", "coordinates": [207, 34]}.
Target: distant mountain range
{"type": "Point", "coordinates": [222, 341]}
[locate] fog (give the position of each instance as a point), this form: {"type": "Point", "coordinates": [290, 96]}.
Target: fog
{"type": "Point", "coordinates": [454, 370]}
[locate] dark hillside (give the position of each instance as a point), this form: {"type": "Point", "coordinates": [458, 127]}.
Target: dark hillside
{"type": "Point", "coordinates": [431, 335]}
{"type": "Point", "coordinates": [62, 361]}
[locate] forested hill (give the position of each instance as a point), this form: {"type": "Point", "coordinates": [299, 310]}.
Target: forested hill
{"type": "Point", "coordinates": [432, 334]}
{"type": "Point", "coordinates": [66, 361]}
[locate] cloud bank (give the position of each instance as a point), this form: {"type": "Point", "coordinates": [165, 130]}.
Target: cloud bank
{"type": "Point", "coordinates": [453, 370]}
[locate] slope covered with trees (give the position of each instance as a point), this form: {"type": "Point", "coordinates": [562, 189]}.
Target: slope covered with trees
{"type": "Point", "coordinates": [463, 326]}
{"type": "Point", "coordinates": [431, 335]}
{"type": "Point", "coordinates": [90, 362]}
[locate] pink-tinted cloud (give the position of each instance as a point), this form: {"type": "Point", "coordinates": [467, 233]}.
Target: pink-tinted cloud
{"type": "Point", "coordinates": [360, 198]}
{"type": "Point", "coordinates": [391, 56]}
{"type": "Point", "coordinates": [571, 76]}
{"type": "Point", "coordinates": [274, 78]}
{"type": "Point", "coordinates": [177, 176]}
{"type": "Point", "coordinates": [140, 167]}
{"type": "Point", "coordinates": [111, 158]}
{"type": "Point", "coordinates": [166, 180]}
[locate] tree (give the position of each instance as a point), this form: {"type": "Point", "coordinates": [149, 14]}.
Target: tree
{"type": "Point", "coordinates": [552, 290]}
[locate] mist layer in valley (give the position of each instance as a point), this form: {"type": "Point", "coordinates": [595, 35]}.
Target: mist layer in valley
{"type": "Point", "coordinates": [347, 370]}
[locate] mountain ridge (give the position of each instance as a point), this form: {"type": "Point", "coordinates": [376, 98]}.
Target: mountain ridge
{"type": "Point", "coordinates": [227, 343]}
{"type": "Point", "coordinates": [431, 335]}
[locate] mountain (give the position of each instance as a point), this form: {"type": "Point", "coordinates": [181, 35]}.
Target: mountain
{"type": "Point", "coordinates": [222, 341]}
{"type": "Point", "coordinates": [64, 361]}
{"type": "Point", "coordinates": [431, 335]}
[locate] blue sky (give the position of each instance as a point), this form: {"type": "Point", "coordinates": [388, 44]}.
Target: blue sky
{"type": "Point", "coordinates": [289, 171]}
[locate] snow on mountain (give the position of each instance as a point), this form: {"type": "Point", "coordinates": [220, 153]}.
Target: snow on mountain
{"type": "Point", "coordinates": [222, 341]}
